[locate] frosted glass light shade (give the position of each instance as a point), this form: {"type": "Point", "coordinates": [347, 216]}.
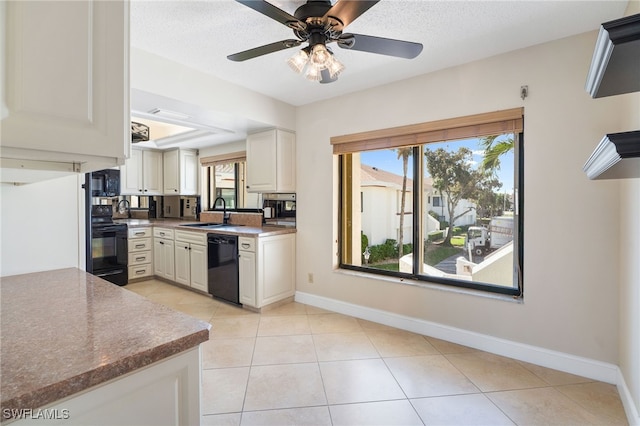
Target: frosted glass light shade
{"type": "Point", "coordinates": [298, 61]}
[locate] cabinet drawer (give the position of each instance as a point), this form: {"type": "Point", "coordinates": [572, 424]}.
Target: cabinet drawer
{"type": "Point", "coordinates": [163, 233]}
{"type": "Point", "coordinates": [247, 244]}
{"type": "Point", "coordinates": [140, 244]}
{"type": "Point", "coordinates": [191, 237]}
{"type": "Point", "coordinates": [139, 258]}
{"type": "Point", "coordinates": [140, 271]}
{"type": "Point", "coordinates": [140, 232]}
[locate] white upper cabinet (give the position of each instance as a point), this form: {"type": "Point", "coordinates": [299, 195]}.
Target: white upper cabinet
{"type": "Point", "coordinates": [180, 172]}
{"type": "Point", "coordinates": [65, 87]}
{"type": "Point", "coordinates": [142, 173]}
{"type": "Point", "coordinates": [271, 161]}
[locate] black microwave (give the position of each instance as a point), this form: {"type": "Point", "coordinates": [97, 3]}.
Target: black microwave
{"type": "Point", "coordinates": [105, 183]}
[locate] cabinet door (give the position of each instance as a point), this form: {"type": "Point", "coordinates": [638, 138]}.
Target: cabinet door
{"type": "Point", "coordinates": [169, 262]}
{"type": "Point", "coordinates": [183, 266]}
{"type": "Point", "coordinates": [131, 174]}
{"type": "Point", "coordinates": [152, 172]}
{"type": "Point", "coordinates": [170, 171]}
{"type": "Point", "coordinates": [276, 270]}
{"type": "Point", "coordinates": [247, 276]}
{"type": "Point", "coordinates": [163, 261]}
{"type": "Point", "coordinates": [199, 267]}
{"type": "Point", "coordinates": [286, 162]}
{"type": "Point", "coordinates": [65, 71]}
{"type": "Point", "coordinates": [158, 257]}
{"type": "Point", "coordinates": [189, 168]}
{"type": "Point", "coordinates": [261, 162]}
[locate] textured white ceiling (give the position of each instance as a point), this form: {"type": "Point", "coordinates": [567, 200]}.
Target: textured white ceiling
{"type": "Point", "coordinates": [200, 34]}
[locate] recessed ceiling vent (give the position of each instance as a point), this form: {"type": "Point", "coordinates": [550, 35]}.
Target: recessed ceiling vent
{"type": "Point", "coordinates": [139, 132]}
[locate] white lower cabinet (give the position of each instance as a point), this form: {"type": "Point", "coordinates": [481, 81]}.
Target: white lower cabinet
{"type": "Point", "coordinates": [140, 247]}
{"type": "Point", "coordinates": [247, 271]}
{"type": "Point", "coordinates": [166, 392]}
{"type": "Point", "coordinates": [191, 259]}
{"type": "Point", "coordinates": [163, 253]}
{"type": "Point", "coordinates": [267, 269]}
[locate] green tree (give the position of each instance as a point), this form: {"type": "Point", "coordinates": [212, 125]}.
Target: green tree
{"type": "Point", "coordinates": [487, 200]}
{"type": "Point", "coordinates": [453, 177]}
{"type": "Point", "coordinates": [493, 149]}
{"type": "Point", "coordinates": [403, 153]}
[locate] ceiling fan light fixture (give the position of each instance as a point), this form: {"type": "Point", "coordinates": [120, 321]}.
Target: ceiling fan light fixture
{"type": "Point", "coordinates": [314, 73]}
{"type": "Point", "coordinates": [298, 61]}
{"type": "Point", "coordinates": [335, 67]}
{"type": "Point", "coordinates": [320, 56]}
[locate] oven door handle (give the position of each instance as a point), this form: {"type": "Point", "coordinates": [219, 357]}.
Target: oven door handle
{"type": "Point", "coordinates": [105, 274]}
{"type": "Point", "coordinates": [115, 228]}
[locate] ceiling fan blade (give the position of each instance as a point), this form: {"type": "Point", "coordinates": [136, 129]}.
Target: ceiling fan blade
{"type": "Point", "coordinates": [348, 10]}
{"type": "Point", "coordinates": [380, 45]}
{"type": "Point", "coordinates": [326, 77]}
{"type": "Point", "coordinates": [263, 50]}
{"type": "Point", "coordinates": [275, 13]}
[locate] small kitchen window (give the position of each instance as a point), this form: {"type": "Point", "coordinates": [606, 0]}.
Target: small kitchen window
{"type": "Point", "coordinates": [224, 176]}
{"type": "Point", "coordinates": [448, 193]}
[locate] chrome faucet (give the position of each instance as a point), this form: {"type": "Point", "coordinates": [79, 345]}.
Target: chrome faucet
{"type": "Point", "coordinates": [127, 206]}
{"type": "Point", "coordinates": [225, 215]}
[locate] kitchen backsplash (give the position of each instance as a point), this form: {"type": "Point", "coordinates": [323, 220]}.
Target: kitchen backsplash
{"type": "Point", "coordinates": [236, 218]}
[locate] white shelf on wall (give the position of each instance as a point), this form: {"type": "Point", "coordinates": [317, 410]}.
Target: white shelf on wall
{"type": "Point", "coordinates": [617, 156]}
{"type": "Point", "coordinates": [615, 66]}
{"type": "Point", "coordinates": [615, 70]}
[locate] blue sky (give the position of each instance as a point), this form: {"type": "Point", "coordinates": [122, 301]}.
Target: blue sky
{"type": "Point", "coordinates": [388, 160]}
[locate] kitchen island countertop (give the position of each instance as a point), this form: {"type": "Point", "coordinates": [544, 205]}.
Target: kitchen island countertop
{"type": "Point", "coordinates": [65, 331]}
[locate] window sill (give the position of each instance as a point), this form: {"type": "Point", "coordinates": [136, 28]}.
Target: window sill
{"type": "Point", "coordinates": [431, 286]}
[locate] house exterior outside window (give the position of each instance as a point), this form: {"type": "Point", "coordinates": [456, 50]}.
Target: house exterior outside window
{"type": "Point", "coordinates": [462, 231]}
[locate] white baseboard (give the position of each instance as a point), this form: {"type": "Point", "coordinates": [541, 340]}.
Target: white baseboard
{"type": "Point", "coordinates": [568, 363]}
{"type": "Point", "coordinates": [633, 417]}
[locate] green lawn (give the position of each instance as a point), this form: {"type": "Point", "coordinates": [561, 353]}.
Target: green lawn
{"type": "Point", "coordinates": [458, 240]}
{"type": "Point", "coordinates": [438, 254]}
{"type": "Point", "coordinates": [433, 256]}
{"type": "Point", "coordinates": [388, 266]}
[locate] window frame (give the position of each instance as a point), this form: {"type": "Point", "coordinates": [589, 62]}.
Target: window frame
{"type": "Point", "coordinates": [375, 140]}
{"type": "Point", "coordinates": [208, 164]}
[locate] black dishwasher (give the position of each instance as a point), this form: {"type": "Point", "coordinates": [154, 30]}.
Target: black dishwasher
{"type": "Point", "coordinates": [223, 267]}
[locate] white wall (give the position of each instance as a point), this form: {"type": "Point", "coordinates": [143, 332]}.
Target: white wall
{"type": "Point", "coordinates": [570, 277]}
{"type": "Point", "coordinates": [630, 287]}
{"type": "Point", "coordinates": [629, 298]}
{"type": "Point", "coordinates": [163, 77]}
{"type": "Point", "coordinates": [42, 226]}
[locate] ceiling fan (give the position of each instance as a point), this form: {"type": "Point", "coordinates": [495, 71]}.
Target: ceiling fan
{"type": "Point", "coordinates": [319, 23]}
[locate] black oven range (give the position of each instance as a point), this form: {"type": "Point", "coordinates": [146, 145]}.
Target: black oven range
{"type": "Point", "coordinates": [109, 254]}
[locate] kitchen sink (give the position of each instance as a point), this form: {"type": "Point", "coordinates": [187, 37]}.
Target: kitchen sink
{"type": "Point", "coordinates": [208, 225]}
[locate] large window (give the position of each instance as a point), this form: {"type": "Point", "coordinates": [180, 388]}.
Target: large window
{"type": "Point", "coordinates": [437, 202]}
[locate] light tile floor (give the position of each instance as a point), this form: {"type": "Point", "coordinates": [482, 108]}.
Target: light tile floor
{"type": "Point", "coordinates": [301, 365]}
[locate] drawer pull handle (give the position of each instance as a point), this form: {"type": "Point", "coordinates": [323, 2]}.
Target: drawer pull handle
{"type": "Point", "coordinates": [140, 245]}
{"type": "Point", "coordinates": [245, 245]}
{"type": "Point", "coordinates": [140, 233]}
{"type": "Point", "coordinates": [140, 272]}
{"type": "Point", "coordinates": [140, 259]}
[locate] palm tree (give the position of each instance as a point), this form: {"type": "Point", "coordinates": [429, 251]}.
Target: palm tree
{"type": "Point", "coordinates": [493, 150]}
{"type": "Point", "coordinates": [403, 153]}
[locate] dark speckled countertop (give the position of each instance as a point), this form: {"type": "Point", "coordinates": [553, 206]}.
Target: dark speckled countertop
{"type": "Point", "coordinates": [65, 331]}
